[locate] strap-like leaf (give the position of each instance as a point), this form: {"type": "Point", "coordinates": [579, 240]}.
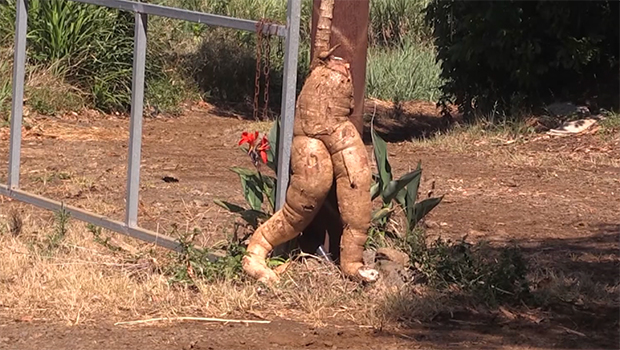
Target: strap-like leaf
{"type": "Point", "coordinates": [395, 186]}
{"type": "Point", "coordinates": [229, 206]}
{"type": "Point", "coordinates": [252, 192]}
{"type": "Point", "coordinates": [243, 171]}
{"type": "Point", "coordinates": [381, 213]}
{"type": "Point", "coordinates": [272, 137]}
{"type": "Point", "coordinates": [381, 157]}
{"type": "Point", "coordinates": [375, 190]}
{"type": "Point", "coordinates": [412, 196]}
{"type": "Point", "coordinates": [423, 208]}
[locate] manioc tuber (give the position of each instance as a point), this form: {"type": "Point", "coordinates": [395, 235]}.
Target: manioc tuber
{"type": "Point", "coordinates": [326, 146]}
{"type": "Point", "coordinates": [311, 178]}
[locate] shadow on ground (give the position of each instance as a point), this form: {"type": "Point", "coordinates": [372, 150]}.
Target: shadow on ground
{"type": "Point", "coordinates": [396, 122]}
{"type": "Point", "coordinates": [573, 302]}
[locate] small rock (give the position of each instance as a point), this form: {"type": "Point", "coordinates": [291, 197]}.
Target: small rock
{"type": "Point", "coordinates": [169, 179]}
{"type": "Point", "coordinates": [431, 224]}
{"type": "Point", "coordinates": [393, 275]}
{"type": "Point", "coordinates": [199, 203]}
{"type": "Point", "coordinates": [393, 255]}
{"type": "Point", "coordinates": [369, 257]}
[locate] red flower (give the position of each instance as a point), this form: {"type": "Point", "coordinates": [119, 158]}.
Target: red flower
{"type": "Point", "coordinates": [262, 148]}
{"type": "Point", "coordinates": [255, 150]}
{"type": "Point", "coordinates": [248, 138]}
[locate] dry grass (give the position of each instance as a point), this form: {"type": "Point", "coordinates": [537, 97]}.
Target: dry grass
{"type": "Point", "coordinates": [82, 281]}
{"type": "Point", "coordinates": [510, 146]}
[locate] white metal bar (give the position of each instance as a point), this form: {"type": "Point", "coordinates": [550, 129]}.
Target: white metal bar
{"type": "Point", "coordinates": [186, 15]}
{"type": "Point", "coordinates": [289, 92]}
{"type": "Point", "coordinates": [95, 219]}
{"type": "Point", "coordinates": [135, 124]}
{"type": "Point", "coordinates": [17, 105]}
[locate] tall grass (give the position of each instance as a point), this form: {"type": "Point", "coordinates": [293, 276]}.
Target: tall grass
{"type": "Point", "coordinates": [91, 48]}
{"type": "Point", "coordinates": [395, 21]}
{"type": "Point", "coordinates": [405, 72]}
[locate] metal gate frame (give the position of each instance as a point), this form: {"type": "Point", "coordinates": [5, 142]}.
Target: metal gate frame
{"type": "Point", "coordinates": [141, 10]}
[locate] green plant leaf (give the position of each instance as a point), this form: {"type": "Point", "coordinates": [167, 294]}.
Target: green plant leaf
{"type": "Point", "coordinates": [381, 213]}
{"type": "Point", "coordinates": [229, 206]}
{"type": "Point", "coordinates": [381, 158]}
{"type": "Point", "coordinates": [243, 171]}
{"type": "Point", "coordinates": [412, 196]}
{"type": "Point", "coordinates": [375, 190]}
{"type": "Point", "coordinates": [424, 207]}
{"type": "Point", "coordinates": [401, 198]}
{"type": "Point", "coordinates": [272, 137]}
{"type": "Point", "coordinates": [252, 191]}
{"type": "Point", "coordinates": [395, 186]}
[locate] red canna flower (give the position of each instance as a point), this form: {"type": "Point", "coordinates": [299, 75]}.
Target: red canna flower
{"type": "Point", "coordinates": [255, 150]}
{"type": "Point", "coordinates": [248, 138]}
{"type": "Point", "coordinates": [262, 148]}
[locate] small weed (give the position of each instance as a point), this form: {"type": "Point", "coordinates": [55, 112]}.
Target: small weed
{"type": "Point", "coordinates": [202, 263]}
{"type": "Point", "coordinates": [5, 90]}
{"type": "Point", "coordinates": [49, 100]}
{"type": "Point", "coordinates": [97, 237]}
{"type": "Point", "coordinates": [54, 239]}
{"type": "Point", "coordinates": [610, 125]}
{"type": "Point", "coordinates": [50, 177]}
{"type": "Point", "coordinates": [165, 95]}
{"type": "Point", "coordinates": [15, 223]}
{"type": "Point", "coordinates": [488, 275]}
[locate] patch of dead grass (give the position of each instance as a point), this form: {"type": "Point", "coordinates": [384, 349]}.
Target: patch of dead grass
{"type": "Point", "coordinates": [514, 147]}
{"type": "Point", "coordinates": [83, 281]}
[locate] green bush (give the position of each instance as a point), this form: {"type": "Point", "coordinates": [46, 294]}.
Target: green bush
{"type": "Point", "coordinates": [491, 275]}
{"type": "Point", "coordinates": [503, 55]}
{"type": "Point", "coordinates": [91, 48]}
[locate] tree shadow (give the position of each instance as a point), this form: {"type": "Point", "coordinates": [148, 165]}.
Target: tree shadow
{"type": "Point", "coordinates": [573, 302]}
{"type": "Point", "coordinates": [403, 121]}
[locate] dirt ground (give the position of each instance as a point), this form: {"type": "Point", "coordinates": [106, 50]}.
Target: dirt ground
{"type": "Point", "coordinates": [558, 198]}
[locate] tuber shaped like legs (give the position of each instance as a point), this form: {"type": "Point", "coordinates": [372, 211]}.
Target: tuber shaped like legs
{"type": "Point", "coordinates": [323, 111]}
{"type": "Point", "coordinates": [311, 179]}
{"type": "Point", "coordinates": [326, 145]}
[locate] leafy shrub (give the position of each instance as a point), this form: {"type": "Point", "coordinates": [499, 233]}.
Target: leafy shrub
{"type": "Point", "coordinates": [491, 275]}
{"type": "Point", "coordinates": [403, 191]}
{"type": "Point", "coordinates": [503, 55]}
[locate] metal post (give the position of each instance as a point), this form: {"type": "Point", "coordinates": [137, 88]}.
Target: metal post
{"type": "Point", "coordinates": [289, 92]}
{"type": "Point", "coordinates": [17, 105]}
{"type": "Point", "coordinates": [135, 126]}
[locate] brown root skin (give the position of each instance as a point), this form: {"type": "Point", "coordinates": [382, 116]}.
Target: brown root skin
{"type": "Point", "coordinates": [323, 110]}
{"type": "Point", "coordinates": [311, 179]}
{"type": "Point", "coordinates": [326, 146]}
{"type": "Point", "coordinates": [323, 27]}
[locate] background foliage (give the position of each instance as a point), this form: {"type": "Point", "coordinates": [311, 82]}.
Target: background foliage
{"type": "Point", "coordinates": [490, 56]}
{"type": "Point", "coordinates": [510, 55]}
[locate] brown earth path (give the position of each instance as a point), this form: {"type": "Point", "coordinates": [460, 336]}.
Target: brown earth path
{"type": "Point", "coordinates": [559, 198]}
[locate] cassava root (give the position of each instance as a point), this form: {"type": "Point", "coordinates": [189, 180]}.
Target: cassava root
{"type": "Point", "coordinates": [326, 147]}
